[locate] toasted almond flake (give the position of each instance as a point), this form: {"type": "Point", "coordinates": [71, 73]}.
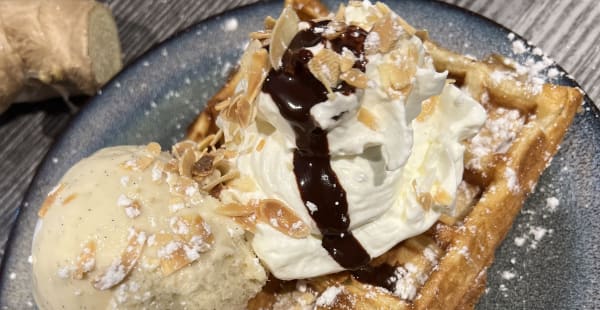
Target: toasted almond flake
{"type": "Point", "coordinates": [176, 204]}
{"type": "Point", "coordinates": [86, 261]}
{"type": "Point", "coordinates": [256, 73]}
{"type": "Point", "coordinates": [406, 26]}
{"type": "Point", "coordinates": [220, 180]}
{"type": "Point", "coordinates": [260, 145]}
{"type": "Point", "coordinates": [122, 266]}
{"type": "Point", "coordinates": [387, 35]}
{"type": "Point", "coordinates": [399, 74]}
{"type": "Point", "coordinates": [248, 223]}
{"type": "Point", "coordinates": [428, 108]}
{"type": "Point", "coordinates": [367, 118]}
{"type": "Point", "coordinates": [133, 209]}
{"type": "Point", "coordinates": [260, 35]}
{"type": "Point", "coordinates": [204, 166]}
{"type": "Point", "coordinates": [243, 184]}
{"type": "Point", "coordinates": [425, 200]}
{"type": "Point", "coordinates": [157, 171]}
{"type": "Point", "coordinates": [282, 218]}
{"type": "Point", "coordinates": [182, 186]}
{"type": "Point", "coordinates": [355, 78]}
{"type": "Point", "coordinates": [186, 162]}
{"type": "Point", "coordinates": [179, 226]}
{"type": "Point", "coordinates": [223, 105]}
{"type": "Point", "coordinates": [69, 199]}
{"type": "Point", "coordinates": [199, 229]}
{"type": "Point", "coordinates": [236, 209]}
{"type": "Point", "coordinates": [172, 256]}
{"type": "Point", "coordinates": [179, 148]}
{"type": "Point", "coordinates": [325, 66]}
{"type": "Point", "coordinates": [284, 31]}
{"type": "Point", "coordinates": [340, 15]}
{"type": "Point", "coordinates": [153, 149]}
{"type": "Point", "coordinates": [269, 22]}
{"type": "Point", "coordinates": [347, 61]}
{"type": "Point", "coordinates": [442, 197]}
{"type": "Point", "coordinates": [177, 250]}
{"type": "Point", "coordinates": [50, 199]}
{"type": "Point", "coordinates": [171, 166]}
{"type": "Point", "coordinates": [243, 112]}
{"type": "Point", "coordinates": [206, 142]}
{"type": "Point", "coordinates": [138, 163]}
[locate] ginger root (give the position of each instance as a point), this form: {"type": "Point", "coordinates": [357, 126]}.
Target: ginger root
{"type": "Point", "coordinates": [55, 45]}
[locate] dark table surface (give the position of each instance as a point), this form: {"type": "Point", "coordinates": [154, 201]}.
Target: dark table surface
{"type": "Point", "coordinates": [567, 30]}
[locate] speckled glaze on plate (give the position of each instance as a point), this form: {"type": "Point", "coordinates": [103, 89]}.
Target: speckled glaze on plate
{"type": "Point", "coordinates": [550, 259]}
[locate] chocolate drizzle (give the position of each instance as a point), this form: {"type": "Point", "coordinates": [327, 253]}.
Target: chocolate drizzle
{"type": "Point", "coordinates": [295, 91]}
{"type": "Point", "coordinates": [383, 275]}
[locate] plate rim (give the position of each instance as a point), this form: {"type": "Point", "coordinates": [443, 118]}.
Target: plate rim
{"type": "Point", "coordinates": [138, 61]}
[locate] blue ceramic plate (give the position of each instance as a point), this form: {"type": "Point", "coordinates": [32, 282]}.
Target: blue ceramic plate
{"type": "Point", "coordinates": [549, 260]}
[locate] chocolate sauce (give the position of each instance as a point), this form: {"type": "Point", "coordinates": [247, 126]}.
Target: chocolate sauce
{"type": "Point", "coordinates": [383, 275]}
{"type": "Point", "coordinates": [295, 91]}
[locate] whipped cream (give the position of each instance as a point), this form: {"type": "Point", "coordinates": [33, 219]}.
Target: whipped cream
{"type": "Point", "coordinates": [385, 165]}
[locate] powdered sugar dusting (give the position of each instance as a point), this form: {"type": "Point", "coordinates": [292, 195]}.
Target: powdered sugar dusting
{"type": "Point", "coordinates": [511, 180]}
{"type": "Point", "coordinates": [551, 204]}
{"type": "Point", "coordinates": [328, 297]}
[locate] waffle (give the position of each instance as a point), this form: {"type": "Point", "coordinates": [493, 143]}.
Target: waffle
{"type": "Point", "coordinates": [445, 267]}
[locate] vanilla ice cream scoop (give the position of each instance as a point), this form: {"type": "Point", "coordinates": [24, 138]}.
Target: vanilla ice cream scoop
{"type": "Point", "coordinates": [335, 137]}
{"type": "Point", "coordinates": [122, 230]}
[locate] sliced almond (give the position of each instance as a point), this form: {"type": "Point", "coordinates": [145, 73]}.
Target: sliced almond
{"type": "Point", "coordinates": [138, 163]}
{"type": "Point", "coordinates": [248, 222]}
{"type": "Point", "coordinates": [243, 184]}
{"type": "Point", "coordinates": [176, 203]}
{"type": "Point", "coordinates": [355, 78]}
{"type": "Point", "coordinates": [260, 145]}
{"type": "Point", "coordinates": [260, 35]}
{"type": "Point", "coordinates": [257, 71]}
{"type": "Point", "coordinates": [179, 249]}
{"type": "Point", "coordinates": [269, 22]}
{"type": "Point", "coordinates": [442, 197]}
{"type": "Point", "coordinates": [50, 199]}
{"type": "Point", "coordinates": [179, 148]}
{"type": "Point", "coordinates": [122, 266]}
{"type": "Point", "coordinates": [340, 15]}
{"type": "Point", "coordinates": [186, 162]}
{"type": "Point", "coordinates": [308, 9]}
{"type": "Point", "coordinates": [367, 118]}
{"type": "Point", "coordinates": [424, 199]}
{"type": "Point", "coordinates": [387, 35]}
{"type": "Point", "coordinates": [325, 66]}
{"type": "Point", "coordinates": [282, 218]}
{"type": "Point", "coordinates": [200, 234]}
{"type": "Point", "coordinates": [284, 31]}
{"type": "Point", "coordinates": [405, 25]}
{"type": "Point", "coordinates": [236, 209]}
{"type": "Point", "coordinates": [153, 149]}
{"type": "Point", "coordinates": [220, 180]}
{"type": "Point", "coordinates": [399, 73]}
{"type": "Point", "coordinates": [183, 186]}
{"type": "Point", "coordinates": [86, 261]}
{"type": "Point", "coordinates": [69, 199]}
{"type": "Point", "coordinates": [243, 112]}
{"type": "Point", "coordinates": [171, 254]}
{"type": "Point", "coordinates": [347, 61]}
{"type": "Point", "coordinates": [133, 209]}
{"type": "Point", "coordinates": [428, 108]}
{"type": "Point", "coordinates": [204, 166]}
{"type": "Point", "coordinates": [223, 104]}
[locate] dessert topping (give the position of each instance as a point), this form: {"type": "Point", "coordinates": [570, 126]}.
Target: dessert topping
{"type": "Point", "coordinates": [295, 90]}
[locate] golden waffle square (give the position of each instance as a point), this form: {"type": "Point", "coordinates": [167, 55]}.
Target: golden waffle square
{"type": "Point", "coordinates": [445, 268]}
